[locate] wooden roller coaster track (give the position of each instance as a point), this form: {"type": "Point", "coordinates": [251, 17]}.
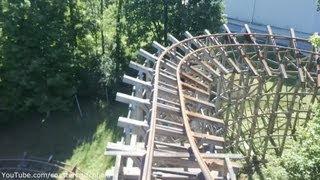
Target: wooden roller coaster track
{"type": "Point", "coordinates": [208, 105]}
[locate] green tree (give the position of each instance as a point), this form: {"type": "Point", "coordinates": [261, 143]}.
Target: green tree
{"type": "Point", "coordinates": [302, 158]}
{"type": "Point", "coordinates": [315, 40]}
{"type": "Point", "coordinates": [46, 45]}
{"type": "Point", "coordinates": [145, 21]}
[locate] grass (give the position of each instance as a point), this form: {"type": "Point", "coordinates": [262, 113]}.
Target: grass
{"type": "Point", "coordinates": [65, 135]}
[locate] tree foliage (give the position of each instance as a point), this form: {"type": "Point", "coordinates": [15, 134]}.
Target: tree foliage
{"type": "Point", "coordinates": [46, 46]}
{"type": "Point", "coordinates": [302, 159]}
{"type": "Point", "coordinates": [53, 49]}
{"type": "Point", "coordinates": [146, 21]}
{"type": "Point", "coordinates": [315, 40]}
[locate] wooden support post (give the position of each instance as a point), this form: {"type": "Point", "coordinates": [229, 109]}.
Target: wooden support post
{"type": "Point", "coordinates": [273, 116]}
{"type": "Point", "coordinates": [289, 115]}
{"type": "Point", "coordinates": [259, 53]}
{"type": "Point", "coordinates": [255, 114]}
{"type": "Point", "coordinates": [296, 55]}
{"type": "Point", "coordinates": [241, 51]}
{"type": "Point", "coordinates": [282, 67]}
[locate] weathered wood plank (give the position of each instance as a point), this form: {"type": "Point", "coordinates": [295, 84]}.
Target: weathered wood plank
{"type": "Point", "coordinates": [259, 53]}
{"type": "Point", "coordinates": [199, 101]}
{"type": "Point", "coordinates": [241, 51]}
{"type": "Point", "coordinates": [148, 55]}
{"type": "Point", "coordinates": [194, 80]}
{"type": "Point", "coordinates": [217, 140]}
{"type": "Point", "coordinates": [127, 122]}
{"type": "Point", "coordinates": [276, 51]}
{"type": "Point", "coordinates": [203, 117]}
{"type": "Point", "coordinates": [230, 169]}
{"type": "Point", "coordinates": [128, 99]}
{"type": "Point", "coordinates": [136, 82]}
{"type": "Point", "coordinates": [140, 67]}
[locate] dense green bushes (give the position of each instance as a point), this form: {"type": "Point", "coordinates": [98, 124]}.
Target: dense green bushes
{"type": "Point", "coordinates": [49, 51]}
{"type": "Point", "coordinates": [52, 49]}
{"type": "Point", "coordinates": [145, 21]}
{"type": "Point", "coordinates": [315, 40]}
{"type": "Point", "coordinates": [39, 67]}
{"type": "Point", "coordinates": [302, 159]}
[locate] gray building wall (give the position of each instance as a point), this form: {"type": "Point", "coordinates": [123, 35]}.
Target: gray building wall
{"type": "Point", "coordinates": [301, 15]}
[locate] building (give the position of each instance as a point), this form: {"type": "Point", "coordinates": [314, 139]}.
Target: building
{"type": "Point", "coordinates": [302, 15]}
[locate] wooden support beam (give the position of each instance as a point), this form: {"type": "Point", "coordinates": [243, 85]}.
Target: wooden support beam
{"type": "Point", "coordinates": [148, 55]}
{"type": "Point", "coordinates": [241, 51]}
{"type": "Point", "coordinates": [168, 108]}
{"type": "Point", "coordinates": [194, 80]}
{"type": "Point", "coordinates": [175, 171]}
{"type": "Point", "coordinates": [219, 65]}
{"type": "Point", "coordinates": [170, 145]}
{"type": "Point", "coordinates": [167, 90]}
{"type": "Point", "coordinates": [128, 99]}
{"type": "Point", "coordinates": [276, 51]}
{"type": "Point", "coordinates": [204, 117]}
{"type": "Point", "coordinates": [168, 86]}
{"type": "Point", "coordinates": [198, 90]}
{"type": "Point", "coordinates": [158, 46]}
{"type": "Point", "coordinates": [210, 95]}
{"type": "Point", "coordinates": [273, 116]}
{"type": "Point", "coordinates": [260, 54]}
{"type": "Point", "coordinates": [173, 39]}
{"type": "Point", "coordinates": [122, 147]}
{"type": "Point", "coordinates": [136, 82]}
{"type": "Point", "coordinates": [228, 120]}
{"type": "Point", "coordinates": [289, 115]}
{"type": "Point", "coordinates": [117, 167]}
{"type": "Point", "coordinates": [218, 95]}
{"type": "Point", "coordinates": [168, 102]}
{"type": "Point", "coordinates": [230, 169]}
{"type": "Point", "coordinates": [134, 173]}
{"type": "Point", "coordinates": [172, 123]}
{"type": "Point", "coordinates": [114, 149]}
{"type": "Point", "coordinates": [176, 41]}
{"type": "Point", "coordinates": [169, 65]}
{"type": "Point", "coordinates": [168, 72]}
{"type": "Point", "coordinates": [169, 131]}
{"type": "Point", "coordinates": [240, 111]}
{"type": "Point", "coordinates": [206, 103]}
{"type": "Point", "coordinates": [166, 76]}
{"type": "Point", "coordinates": [201, 74]}
{"type": "Point", "coordinates": [224, 53]}
{"type": "Point", "coordinates": [209, 68]}
{"type": "Point", "coordinates": [140, 68]}
{"type": "Point", "coordinates": [296, 54]}
{"type": "Point", "coordinates": [256, 114]}
{"type": "Point", "coordinates": [129, 123]}
{"type": "Point", "coordinates": [194, 41]}
{"type": "Point", "coordinates": [308, 75]}
{"type": "Point", "coordinates": [216, 140]}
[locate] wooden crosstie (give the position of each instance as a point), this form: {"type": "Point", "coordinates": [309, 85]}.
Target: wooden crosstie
{"type": "Point", "coordinates": [208, 105]}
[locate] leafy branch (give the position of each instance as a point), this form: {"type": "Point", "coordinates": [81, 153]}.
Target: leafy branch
{"type": "Point", "coordinates": [315, 40]}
